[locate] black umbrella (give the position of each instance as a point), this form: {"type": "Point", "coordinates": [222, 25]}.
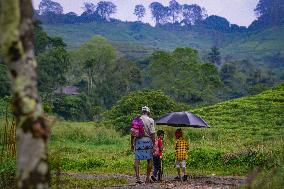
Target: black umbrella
{"type": "Point", "coordinates": [182, 119]}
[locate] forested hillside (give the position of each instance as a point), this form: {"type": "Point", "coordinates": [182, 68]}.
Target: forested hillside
{"type": "Point", "coordinates": [177, 25]}
{"type": "Point", "coordinates": [256, 45]}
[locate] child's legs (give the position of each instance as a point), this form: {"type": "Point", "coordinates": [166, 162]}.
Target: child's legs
{"type": "Point", "coordinates": [136, 168]}
{"type": "Point", "coordinates": [183, 164]}
{"type": "Point", "coordinates": [178, 167]}
{"type": "Point", "coordinates": [156, 165]}
{"type": "Point", "coordinates": [160, 174]}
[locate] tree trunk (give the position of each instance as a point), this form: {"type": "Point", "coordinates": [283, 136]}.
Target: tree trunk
{"type": "Point", "coordinates": [16, 39]}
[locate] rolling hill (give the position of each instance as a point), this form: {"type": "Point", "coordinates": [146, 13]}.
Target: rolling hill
{"type": "Point", "coordinates": [261, 45]}
{"type": "Point", "coordinates": [259, 118]}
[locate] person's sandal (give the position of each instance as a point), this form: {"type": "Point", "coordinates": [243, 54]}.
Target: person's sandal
{"type": "Point", "coordinates": [139, 182]}
{"type": "Point", "coordinates": [149, 181]}
{"type": "Point", "coordinates": [177, 178]}
{"type": "Point", "coordinates": [153, 178]}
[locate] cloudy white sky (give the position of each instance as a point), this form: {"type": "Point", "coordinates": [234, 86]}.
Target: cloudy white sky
{"type": "Point", "coordinates": [236, 11]}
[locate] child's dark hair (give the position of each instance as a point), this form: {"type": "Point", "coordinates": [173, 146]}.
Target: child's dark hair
{"type": "Point", "coordinates": [160, 132]}
{"type": "Point", "coordinates": [178, 133]}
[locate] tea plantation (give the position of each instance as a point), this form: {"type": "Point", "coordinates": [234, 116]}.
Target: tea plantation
{"type": "Point", "coordinates": [245, 134]}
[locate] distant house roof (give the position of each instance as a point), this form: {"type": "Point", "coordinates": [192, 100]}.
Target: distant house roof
{"type": "Point", "coordinates": [70, 90]}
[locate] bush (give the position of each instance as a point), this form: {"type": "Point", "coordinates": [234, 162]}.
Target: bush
{"type": "Point", "coordinates": [82, 164]}
{"type": "Point", "coordinates": [7, 173]}
{"type": "Point", "coordinates": [129, 106]}
{"type": "Point", "coordinates": [5, 104]}
{"type": "Point", "coordinates": [70, 107]}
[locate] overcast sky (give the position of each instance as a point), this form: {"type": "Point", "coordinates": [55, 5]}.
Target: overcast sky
{"type": "Point", "coordinates": [236, 11]}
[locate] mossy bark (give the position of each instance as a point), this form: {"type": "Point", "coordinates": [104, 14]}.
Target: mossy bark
{"type": "Point", "coordinates": [16, 39]}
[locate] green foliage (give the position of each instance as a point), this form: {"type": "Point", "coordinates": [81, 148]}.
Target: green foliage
{"type": "Point", "coordinates": [5, 105]}
{"type": "Point", "coordinates": [123, 32]}
{"type": "Point", "coordinates": [234, 46]}
{"type": "Point", "coordinates": [129, 106]}
{"type": "Point", "coordinates": [82, 164]}
{"type": "Point", "coordinates": [43, 42]}
{"type": "Point", "coordinates": [7, 172]}
{"type": "Point", "coordinates": [53, 65]}
{"type": "Point", "coordinates": [214, 56]}
{"type": "Point", "coordinates": [242, 78]}
{"type": "Point", "coordinates": [183, 76]}
{"type": "Point", "coordinates": [270, 178]}
{"type": "Point", "coordinates": [78, 107]}
{"type": "Point", "coordinates": [81, 141]}
{"type": "Point", "coordinates": [87, 133]}
{"type": "Point", "coordinates": [257, 46]}
{"type": "Point", "coordinates": [270, 13]}
{"type": "Point", "coordinates": [245, 133]}
{"type": "Point", "coordinates": [107, 80]}
{"type": "Point", "coordinates": [4, 80]}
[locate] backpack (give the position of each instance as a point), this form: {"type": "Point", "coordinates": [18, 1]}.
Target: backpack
{"type": "Point", "coordinates": [137, 127]}
{"type": "Point", "coordinates": [156, 149]}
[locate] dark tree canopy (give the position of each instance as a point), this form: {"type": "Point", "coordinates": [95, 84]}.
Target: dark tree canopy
{"type": "Point", "coordinates": [217, 23]}
{"type": "Point", "coordinates": [89, 7]}
{"type": "Point", "coordinates": [214, 56]}
{"type": "Point", "coordinates": [193, 14]}
{"type": "Point", "coordinates": [270, 12]}
{"type": "Point", "coordinates": [48, 6]}
{"type": "Point", "coordinates": [105, 9]}
{"type": "Point", "coordinates": [174, 10]}
{"type": "Point", "coordinates": [139, 11]}
{"type": "Point", "coordinates": [159, 12]}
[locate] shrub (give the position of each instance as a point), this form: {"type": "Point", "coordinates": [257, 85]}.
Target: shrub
{"type": "Point", "coordinates": [70, 107]}
{"type": "Point", "coordinates": [129, 106]}
{"type": "Point", "coordinates": [7, 172]}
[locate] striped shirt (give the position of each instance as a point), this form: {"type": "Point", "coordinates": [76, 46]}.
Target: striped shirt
{"type": "Point", "coordinates": [181, 147]}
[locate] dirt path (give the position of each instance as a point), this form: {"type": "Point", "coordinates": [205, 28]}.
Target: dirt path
{"type": "Point", "coordinates": [197, 182]}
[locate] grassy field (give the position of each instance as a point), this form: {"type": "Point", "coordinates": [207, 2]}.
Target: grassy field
{"type": "Point", "coordinates": [246, 133]}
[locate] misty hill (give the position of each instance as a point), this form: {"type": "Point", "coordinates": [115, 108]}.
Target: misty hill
{"type": "Point", "coordinates": [261, 45]}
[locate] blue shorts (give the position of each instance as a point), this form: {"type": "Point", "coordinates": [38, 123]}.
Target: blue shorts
{"type": "Point", "coordinates": [143, 148]}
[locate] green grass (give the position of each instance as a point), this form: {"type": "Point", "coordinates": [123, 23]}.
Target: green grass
{"type": "Point", "coordinates": [246, 133]}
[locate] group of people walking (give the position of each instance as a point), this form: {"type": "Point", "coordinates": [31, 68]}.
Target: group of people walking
{"type": "Point", "coordinates": [149, 146]}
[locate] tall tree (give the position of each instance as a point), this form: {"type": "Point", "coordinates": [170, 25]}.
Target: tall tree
{"type": "Point", "coordinates": [53, 66]}
{"type": "Point", "coordinates": [159, 12]}
{"type": "Point", "coordinates": [183, 76]}
{"type": "Point", "coordinates": [48, 6]}
{"type": "Point", "coordinates": [174, 10]}
{"type": "Point", "coordinates": [105, 9]}
{"type": "Point", "coordinates": [217, 23]}
{"type": "Point", "coordinates": [16, 40]}
{"type": "Point", "coordinates": [193, 14]}
{"type": "Point", "coordinates": [139, 11]}
{"type": "Point", "coordinates": [214, 56]}
{"type": "Point", "coordinates": [89, 7]}
{"type": "Point", "coordinates": [270, 12]}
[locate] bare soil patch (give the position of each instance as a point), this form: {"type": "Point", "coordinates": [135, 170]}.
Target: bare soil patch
{"type": "Point", "coordinates": [198, 182]}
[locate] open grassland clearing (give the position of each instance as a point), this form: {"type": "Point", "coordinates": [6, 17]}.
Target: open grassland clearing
{"type": "Point", "coordinates": [246, 134]}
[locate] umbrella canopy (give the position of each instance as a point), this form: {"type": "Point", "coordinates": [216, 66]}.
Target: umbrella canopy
{"type": "Point", "coordinates": [181, 119]}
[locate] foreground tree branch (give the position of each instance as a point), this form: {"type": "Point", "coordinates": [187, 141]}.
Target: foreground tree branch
{"type": "Point", "coordinates": [16, 39]}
